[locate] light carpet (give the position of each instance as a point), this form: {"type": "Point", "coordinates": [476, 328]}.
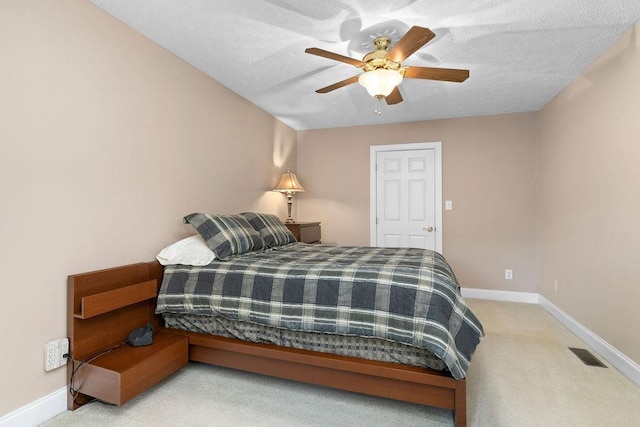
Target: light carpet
{"type": "Point", "coordinates": [522, 374]}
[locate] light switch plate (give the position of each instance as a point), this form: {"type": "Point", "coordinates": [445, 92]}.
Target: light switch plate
{"type": "Point", "coordinates": [448, 205]}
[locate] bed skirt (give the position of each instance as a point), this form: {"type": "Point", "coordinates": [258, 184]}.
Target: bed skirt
{"type": "Point", "coordinates": [343, 345]}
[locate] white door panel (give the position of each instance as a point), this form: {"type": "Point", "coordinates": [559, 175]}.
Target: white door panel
{"type": "Point", "coordinates": [406, 198]}
{"type": "Point", "coordinates": [391, 240]}
{"type": "Point", "coordinates": [419, 242]}
{"type": "Point", "coordinates": [417, 195]}
{"type": "Point", "coordinates": [391, 200]}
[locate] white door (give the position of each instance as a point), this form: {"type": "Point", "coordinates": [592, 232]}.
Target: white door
{"type": "Point", "coordinates": [407, 197]}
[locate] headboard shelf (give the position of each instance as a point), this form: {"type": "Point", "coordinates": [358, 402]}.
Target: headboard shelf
{"type": "Point", "coordinates": [104, 302]}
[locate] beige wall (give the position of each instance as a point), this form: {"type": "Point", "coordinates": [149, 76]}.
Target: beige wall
{"type": "Point", "coordinates": [589, 154]}
{"type": "Point", "coordinates": [488, 173]}
{"type": "Point", "coordinates": [106, 141]}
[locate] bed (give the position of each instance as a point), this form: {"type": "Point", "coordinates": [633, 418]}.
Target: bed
{"type": "Point", "coordinates": [380, 321]}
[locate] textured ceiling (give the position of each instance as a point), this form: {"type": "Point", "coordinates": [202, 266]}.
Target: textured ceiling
{"type": "Point", "coordinates": [520, 53]}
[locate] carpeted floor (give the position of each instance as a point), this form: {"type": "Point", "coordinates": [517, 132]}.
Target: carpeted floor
{"type": "Point", "coordinates": [522, 374]}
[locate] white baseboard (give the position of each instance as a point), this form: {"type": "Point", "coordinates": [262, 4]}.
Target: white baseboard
{"type": "Point", "coordinates": [508, 296]}
{"type": "Point", "coordinates": [37, 412]}
{"type": "Point", "coordinates": [626, 366]}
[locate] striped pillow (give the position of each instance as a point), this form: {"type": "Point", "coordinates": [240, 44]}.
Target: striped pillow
{"type": "Point", "coordinates": [226, 235]}
{"type": "Point", "coordinates": [273, 231]}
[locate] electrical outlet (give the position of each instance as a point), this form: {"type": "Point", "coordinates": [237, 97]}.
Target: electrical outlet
{"type": "Point", "coordinates": [54, 353]}
{"type": "Point", "coordinates": [555, 285]}
{"type": "Point", "coordinates": [508, 274]}
{"type": "Point", "coordinates": [50, 352]}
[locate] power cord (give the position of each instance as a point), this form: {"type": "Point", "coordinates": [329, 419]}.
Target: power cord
{"type": "Point", "coordinates": [73, 391]}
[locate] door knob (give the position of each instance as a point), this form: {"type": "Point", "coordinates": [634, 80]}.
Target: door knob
{"type": "Point", "coordinates": [429, 229]}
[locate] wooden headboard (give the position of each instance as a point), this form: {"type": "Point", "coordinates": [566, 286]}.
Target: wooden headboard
{"type": "Point", "coordinates": [103, 308]}
{"type": "Point", "coordinates": [87, 333]}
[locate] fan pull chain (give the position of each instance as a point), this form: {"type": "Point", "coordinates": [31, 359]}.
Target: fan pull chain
{"type": "Point", "coordinates": [376, 105]}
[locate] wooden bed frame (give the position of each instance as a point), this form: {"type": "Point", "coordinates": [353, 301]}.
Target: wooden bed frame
{"type": "Point", "coordinates": [390, 380]}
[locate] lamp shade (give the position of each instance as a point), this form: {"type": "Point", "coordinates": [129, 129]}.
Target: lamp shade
{"type": "Point", "coordinates": [380, 82]}
{"type": "Point", "coordinates": [289, 183]}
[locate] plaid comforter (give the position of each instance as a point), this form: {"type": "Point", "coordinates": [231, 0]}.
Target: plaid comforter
{"type": "Point", "coordinates": [402, 294]}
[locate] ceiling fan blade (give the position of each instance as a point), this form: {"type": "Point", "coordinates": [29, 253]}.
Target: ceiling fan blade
{"type": "Point", "coordinates": [338, 85]}
{"type": "Point", "coordinates": [394, 97]}
{"type": "Point", "coordinates": [334, 56]}
{"type": "Point", "coordinates": [444, 74]}
{"type": "Point", "coordinates": [415, 38]}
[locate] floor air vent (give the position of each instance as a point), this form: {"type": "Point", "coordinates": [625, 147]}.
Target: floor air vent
{"type": "Point", "coordinates": [587, 357]}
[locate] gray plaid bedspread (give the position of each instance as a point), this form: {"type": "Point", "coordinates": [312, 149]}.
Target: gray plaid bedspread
{"type": "Point", "coordinates": [401, 294]}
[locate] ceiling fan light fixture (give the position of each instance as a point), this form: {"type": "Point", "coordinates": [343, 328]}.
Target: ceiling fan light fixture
{"type": "Point", "coordinates": [380, 82]}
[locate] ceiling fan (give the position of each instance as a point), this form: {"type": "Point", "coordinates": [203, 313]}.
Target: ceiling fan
{"type": "Point", "coordinates": [383, 71]}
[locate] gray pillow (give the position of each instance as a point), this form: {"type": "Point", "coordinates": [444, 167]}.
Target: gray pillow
{"type": "Point", "coordinates": [271, 229]}
{"type": "Point", "coordinates": [226, 235]}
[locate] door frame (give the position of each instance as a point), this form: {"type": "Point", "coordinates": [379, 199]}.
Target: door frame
{"type": "Point", "coordinates": [374, 150]}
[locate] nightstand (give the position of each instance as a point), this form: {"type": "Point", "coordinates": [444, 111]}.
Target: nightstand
{"type": "Point", "coordinates": [305, 232]}
{"type": "Point", "coordinates": [103, 307]}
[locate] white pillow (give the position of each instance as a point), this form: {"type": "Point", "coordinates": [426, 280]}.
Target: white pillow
{"type": "Point", "coordinates": [190, 251]}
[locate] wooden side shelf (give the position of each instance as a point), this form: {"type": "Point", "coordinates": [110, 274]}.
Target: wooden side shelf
{"type": "Point", "coordinates": [103, 308]}
{"type": "Point", "coordinates": [104, 302]}
{"type": "Point", "coordinates": [127, 371]}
